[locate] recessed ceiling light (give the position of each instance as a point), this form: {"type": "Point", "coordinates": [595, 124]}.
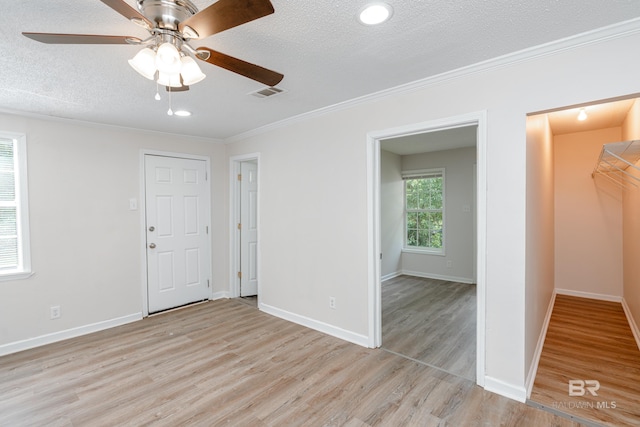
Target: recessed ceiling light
{"type": "Point", "coordinates": [182, 113]}
{"type": "Point", "coordinates": [375, 13]}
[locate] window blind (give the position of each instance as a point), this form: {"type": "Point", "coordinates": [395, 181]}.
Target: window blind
{"type": "Point", "coordinates": [9, 258]}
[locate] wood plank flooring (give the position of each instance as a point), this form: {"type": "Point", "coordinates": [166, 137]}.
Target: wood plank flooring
{"type": "Point", "coordinates": [225, 363]}
{"type": "Point", "coordinates": [590, 340]}
{"type": "Point", "coordinates": [432, 321]}
{"type": "Point", "coordinates": [251, 301]}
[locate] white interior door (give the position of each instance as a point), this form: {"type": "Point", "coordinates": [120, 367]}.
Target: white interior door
{"type": "Point", "coordinates": [249, 229]}
{"type": "Point", "coordinates": [177, 222]}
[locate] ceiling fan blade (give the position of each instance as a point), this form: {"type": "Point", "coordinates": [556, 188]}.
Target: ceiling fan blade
{"type": "Point", "coordinates": [127, 11]}
{"type": "Point", "coordinates": [52, 38]}
{"type": "Point", "coordinates": [225, 14]}
{"type": "Point", "coordinates": [252, 71]}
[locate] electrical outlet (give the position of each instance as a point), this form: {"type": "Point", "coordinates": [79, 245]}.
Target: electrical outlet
{"type": "Point", "coordinates": [55, 311]}
{"type": "Point", "coordinates": [332, 303]}
{"type": "Point", "coordinates": [449, 263]}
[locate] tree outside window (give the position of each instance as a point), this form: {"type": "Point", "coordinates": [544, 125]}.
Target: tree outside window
{"type": "Point", "coordinates": [424, 202]}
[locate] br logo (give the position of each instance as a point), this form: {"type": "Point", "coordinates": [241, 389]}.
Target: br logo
{"type": "Point", "coordinates": [581, 387]}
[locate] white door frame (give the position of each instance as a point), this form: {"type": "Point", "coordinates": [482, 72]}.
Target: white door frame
{"type": "Point", "coordinates": [143, 218]}
{"type": "Point", "coordinates": [374, 231]}
{"type": "Point", "coordinates": [234, 218]}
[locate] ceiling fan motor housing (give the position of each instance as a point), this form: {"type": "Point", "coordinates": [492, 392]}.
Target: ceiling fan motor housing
{"type": "Point", "coordinates": [167, 14]}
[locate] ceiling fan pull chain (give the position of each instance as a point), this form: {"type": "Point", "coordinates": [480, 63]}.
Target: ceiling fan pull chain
{"type": "Point", "coordinates": [170, 112]}
{"type": "Point", "coordinates": [157, 97]}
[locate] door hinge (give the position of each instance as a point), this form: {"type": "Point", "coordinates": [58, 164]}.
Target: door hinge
{"type": "Point", "coordinates": [239, 226]}
{"type": "Point", "coordinates": [206, 228]}
{"type": "Point", "coordinates": [239, 177]}
{"type": "Point", "coordinates": [208, 284]}
{"type": "Point", "coordinates": [239, 274]}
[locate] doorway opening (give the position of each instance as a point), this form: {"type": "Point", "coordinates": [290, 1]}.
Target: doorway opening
{"type": "Point", "coordinates": [583, 222]}
{"type": "Point", "coordinates": [244, 180]}
{"type": "Point", "coordinates": [398, 268]}
{"type": "Point", "coordinates": [428, 243]}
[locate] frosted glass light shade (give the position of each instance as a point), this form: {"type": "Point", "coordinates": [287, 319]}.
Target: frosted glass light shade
{"type": "Point", "coordinates": [191, 73]}
{"type": "Point", "coordinates": [168, 59]}
{"type": "Point", "coordinates": [145, 63]}
{"type": "Point", "coordinates": [169, 79]}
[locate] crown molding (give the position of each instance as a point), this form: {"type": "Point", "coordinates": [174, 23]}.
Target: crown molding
{"type": "Point", "coordinates": [599, 35]}
{"type": "Point", "coordinates": [76, 122]}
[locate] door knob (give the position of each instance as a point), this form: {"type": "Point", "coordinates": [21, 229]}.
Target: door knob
{"type": "Point", "coordinates": [152, 245]}
{"type": "Point", "coordinates": [152, 228]}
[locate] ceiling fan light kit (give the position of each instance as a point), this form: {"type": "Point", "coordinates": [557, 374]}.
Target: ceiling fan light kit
{"type": "Point", "coordinates": [172, 65]}
{"type": "Point", "coordinates": [167, 56]}
{"type": "Point", "coordinates": [191, 73]}
{"type": "Point", "coordinates": [145, 63]}
{"type": "Point", "coordinates": [168, 79]}
{"type": "Point", "coordinates": [168, 59]}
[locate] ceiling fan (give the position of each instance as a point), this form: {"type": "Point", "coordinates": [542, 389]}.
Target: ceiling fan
{"type": "Point", "coordinates": [167, 54]}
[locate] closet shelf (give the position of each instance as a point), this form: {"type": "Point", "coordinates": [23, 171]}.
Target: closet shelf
{"type": "Point", "coordinates": [617, 162]}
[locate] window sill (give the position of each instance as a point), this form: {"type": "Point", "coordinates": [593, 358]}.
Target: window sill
{"type": "Point", "coordinates": [423, 251]}
{"type": "Point", "coordinates": [18, 275]}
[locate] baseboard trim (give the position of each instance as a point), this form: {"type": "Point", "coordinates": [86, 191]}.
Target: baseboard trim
{"type": "Point", "coordinates": [505, 389]}
{"type": "Point", "coordinates": [390, 276]}
{"type": "Point", "coordinates": [334, 331]}
{"type": "Point", "coordinates": [533, 370]}
{"type": "Point", "coordinates": [590, 295]}
{"type": "Point", "coordinates": [66, 334]}
{"type": "Point", "coordinates": [220, 295]}
{"type": "Point", "coordinates": [438, 277]}
{"type": "Point", "coordinates": [632, 323]}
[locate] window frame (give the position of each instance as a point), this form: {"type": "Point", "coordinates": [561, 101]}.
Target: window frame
{"type": "Point", "coordinates": [22, 208]}
{"type": "Point", "coordinates": [417, 174]}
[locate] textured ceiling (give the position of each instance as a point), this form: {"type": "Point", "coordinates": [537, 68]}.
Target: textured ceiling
{"type": "Point", "coordinates": [327, 57]}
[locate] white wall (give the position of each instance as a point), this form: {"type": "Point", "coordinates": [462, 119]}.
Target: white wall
{"type": "Point", "coordinates": [631, 224]}
{"type": "Point", "coordinates": [458, 233]}
{"type": "Point", "coordinates": [588, 217]}
{"type": "Point", "coordinates": [86, 244]}
{"type": "Point", "coordinates": [314, 188]}
{"type": "Point", "coordinates": [391, 213]}
{"type": "Point", "coordinates": [540, 241]}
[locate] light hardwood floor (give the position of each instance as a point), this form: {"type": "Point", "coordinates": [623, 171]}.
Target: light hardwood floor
{"type": "Point", "coordinates": [590, 340]}
{"type": "Point", "coordinates": [225, 363]}
{"type": "Point", "coordinates": [432, 321]}
{"type": "Point", "coordinates": [251, 301]}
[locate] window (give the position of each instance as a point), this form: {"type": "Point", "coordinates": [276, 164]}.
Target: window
{"type": "Point", "coordinates": [424, 210]}
{"type": "Point", "coordinates": [14, 225]}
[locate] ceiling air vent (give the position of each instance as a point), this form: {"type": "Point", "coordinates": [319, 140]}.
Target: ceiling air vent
{"type": "Point", "coordinates": [267, 92]}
